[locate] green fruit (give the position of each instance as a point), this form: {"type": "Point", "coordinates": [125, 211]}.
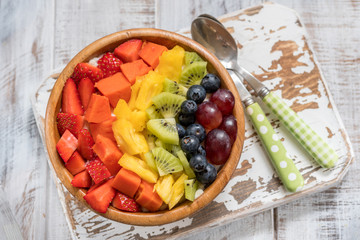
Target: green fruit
{"type": "Point", "coordinates": [191, 57]}
{"type": "Point", "coordinates": [191, 186]}
{"type": "Point", "coordinates": [173, 87]}
{"type": "Point", "coordinates": [166, 162]}
{"type": "Point", "coordinates": [153, 113]}
{"type": "Point", "coordinates": [171, 148]}
{"type": "Point", "coordinates": [193, 74]}
{"type": "Point", "coordinates": [168, 104]}
{"type": "Point", "coordinates": [149, 159]}
{"type": "Point", "coordinates": [150, 139]}
{"type": "Point", "coordinates": [164, 129]}
{"type": "Point", "coordinates": [188, 171]}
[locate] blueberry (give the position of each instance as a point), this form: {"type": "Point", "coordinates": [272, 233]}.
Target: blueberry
{"type": "Point", "coordinates": [186, 119]}
{"type": "Point", "coordinates": [181, 130]}
{"type": "Point", "coordinates": [197, 130]}
{"type": "Point", "coordinates": [201, 150]}
{"type": "Point", "coordinates": [208, 175]}
{"type": "Point", "coordinates": [211, 83]}
{"type": "Point", "coordinates": [198, 163]}
{"type": "Point", "coordinates": [196, 93]}
{"type": "Point", "coordinates": [189, 144]}
{"type": "Point", "coordinates": [188, 107]}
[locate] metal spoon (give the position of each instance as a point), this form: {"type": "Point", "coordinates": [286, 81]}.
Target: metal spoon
{"type": "Point", "coordinates": [219, 41]}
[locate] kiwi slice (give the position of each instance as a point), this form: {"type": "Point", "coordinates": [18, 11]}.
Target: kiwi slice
{"type": "Point", "coordinates": [188, 171]}
{"type": "Point", "coordinates": [153, 112]}
{"type": "Point", "coordinates": [165, 129]}
{"type": "Point", "coordinates": [191, 57]}
{"type": "Point", "coordinates": [166, 162]}
{"type": "Point", "coordinates": [149, 159]}
{"type": "Point", "coordinates": [173, 87]}
{"type": "Point", "coordinates": [168, 104]}
{"type": "Point", "coordinates": [150, 139]}
{"type": "Point", "coordinates": [173, 149]}
{"type": "Point", "coordinates": [191, 186]}
{"type": "Point", "coordinates": [193, 73]}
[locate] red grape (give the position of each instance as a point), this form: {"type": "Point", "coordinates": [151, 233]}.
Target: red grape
{"type": "Point", "coordinates": [217, 146]}
{"type": "Point", "coordinates": [229, 125]}
{"type": "Point", "coordinates": [208, 115]}
{"type": "Point", "coordinates": [224, 100]}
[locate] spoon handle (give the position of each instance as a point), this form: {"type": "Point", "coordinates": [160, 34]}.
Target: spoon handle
{"type": "Point", "coordinates": [307, 137]}
{"type": "Point", "coordinates": [284, 166]}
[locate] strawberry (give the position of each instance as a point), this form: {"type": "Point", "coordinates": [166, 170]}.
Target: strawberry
{"type": "Point", "coordinates": [100, 198]}
{"type": "Point", "coordinates": [109, 64]}
{"type": "Point", "coordinates": [123, 202]}
{"type": "Point", "coordinates": [86, 70]}
{"type": "Point", "coordinates": [82, 180]}
{"type": "Point", "coordinates": [75, 164]}
{"type": "Point", "coordinates": [86, 89]}
{"type": "Point", "coordinates": [68, 121]}
{"type": "Point", "coordinates": [97, 170]}
{"type": "Point", "coordinates": [67, 145]}
{"type": "Point", "coordinates": [85, 145]}
{"type": "Point", "coordinates": [70, 99]}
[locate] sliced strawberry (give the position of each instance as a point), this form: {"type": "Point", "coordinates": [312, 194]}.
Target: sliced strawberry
{"type": "Point", "coordinates": [86, 70]}
{"type": "Point", "coordinates": [86, 89]}
{"type": "Point", "coordinates": [85, 145]}
{"type": "Point", "coordinates": [82, 180]}
{"type": "Point", "coordinates": [109, 64]}
{"type": "Point", "coordinates": [70, 99]}
{"type": "Point", "coordinates": [68, 121]}
{"type": "Point", "coordinates": [97, 170]}
{"type": "Point", "coordinates": [75, 164]}
{"type": "Point", "coordinates": [67, 145]}
{"type": "Point", "coordinates": [123, 202]}
{"type": "Point", "coordinates": [100, 198]}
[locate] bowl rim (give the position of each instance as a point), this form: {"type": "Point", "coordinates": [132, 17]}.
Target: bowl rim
{"type": "Point", "coordinates": [95, 49]}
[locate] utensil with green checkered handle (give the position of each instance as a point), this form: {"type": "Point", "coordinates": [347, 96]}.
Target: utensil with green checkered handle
{"type": "Point", "coordinates": [308, 138]}
{"type": "Point", "coordinates": [284, 166]}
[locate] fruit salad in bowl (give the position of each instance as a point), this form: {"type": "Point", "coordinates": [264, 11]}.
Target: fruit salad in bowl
{"type": "Point", "coordinates": [144, 126]}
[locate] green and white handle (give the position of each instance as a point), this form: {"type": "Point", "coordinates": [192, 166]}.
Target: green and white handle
{"type": "Point", "coordinates": [308, 138]}
{"type": "Point", "coordinates": [284, 166]}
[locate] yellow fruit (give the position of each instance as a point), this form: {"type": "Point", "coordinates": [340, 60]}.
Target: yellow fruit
{"type": "Point", "coordinates": [135, 91]}
{"type": "Point", "coordinates": [170, 63]}
{"type": "Point", "coordinates": [151, 85]}
{"type": "Point", "coordinates": [139, 167]}
{"type": "Point", "coordinates": [137, 118]}
{"type": "Point", "coordinates": [128, 139]}
{"type": "Point", "coordinates": [163, 187]}
{"type": "Point", "coordinates": [177, 191]}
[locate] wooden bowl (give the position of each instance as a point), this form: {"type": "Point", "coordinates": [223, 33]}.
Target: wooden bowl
{"type": "Point", "coordinates": [109, 43]}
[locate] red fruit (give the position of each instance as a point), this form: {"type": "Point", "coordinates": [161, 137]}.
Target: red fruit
{"type": "Point", "coordinates": [86, 89]}
{"type": "Point", "coordinates": [133, 69]}
{"type": "Point", "coordinates": [109, 64]}
{"type": "Point", "coordinates": [70, 99]}
{"type": "Point", "coordinates": [229, 125]}
{"type": "Point", "coordinates": [85, 145]}
{"type": "Point", "coordinates": [217, 146]}
{"type": "Point", "coordinates": [75, 164]}
{"type": "Point", "coordinates": [128, 51]}
{"type": "Point", "coordinates": [100, 198]}
{"type": "Point", "coordinates": [104, 128]}
{"type": "Point", "coordinates": [126, 182]}
{"type": "Point", "coordinates": [68, 121]}
{"type": "Point", "coordinates": [67, 145]}
{"type": "Point", "coordinates": [125, 203]}
{"type": "Point", "coordinates": [224, 100]}
{"type": "Point", "coordinates": [147, 197]}
{"type": "Point", "coordinates": [208, 115]}
{"type": "Point", "coordinates": [86, 70]}
{"type": "Point", "coordinates": [82, 180]}
{"type": "Point", "coordinates": [97, 170]}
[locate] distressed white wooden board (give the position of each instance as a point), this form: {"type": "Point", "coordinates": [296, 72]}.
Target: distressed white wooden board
{"type": "Point", "coordinates": [231, 204]}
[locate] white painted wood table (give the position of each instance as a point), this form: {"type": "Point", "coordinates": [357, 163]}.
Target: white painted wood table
{"type": "Point", "coordinates": [40, 35]}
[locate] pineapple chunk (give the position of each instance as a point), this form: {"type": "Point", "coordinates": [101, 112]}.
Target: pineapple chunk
{"type": "Point", "coordinates": [137, 118]}
{"type": "Point", "coordinates": [177, 191]}
{"type": "Point", "coordinates": [135, 91]}
{"type": "Point", "coordinates": [163, 187]}
{"type": "Point", "coordinates": [151, 86]}
{"type": "Point", "coordinates": [170, 63]}
{"type": "Point", "coordinates": [139, 167]}
{"type": "Point", "coordinates": [128, 139]}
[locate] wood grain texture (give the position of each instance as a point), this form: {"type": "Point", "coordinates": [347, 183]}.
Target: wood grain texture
{"type": "Point", "coordinates": [333, 28]}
